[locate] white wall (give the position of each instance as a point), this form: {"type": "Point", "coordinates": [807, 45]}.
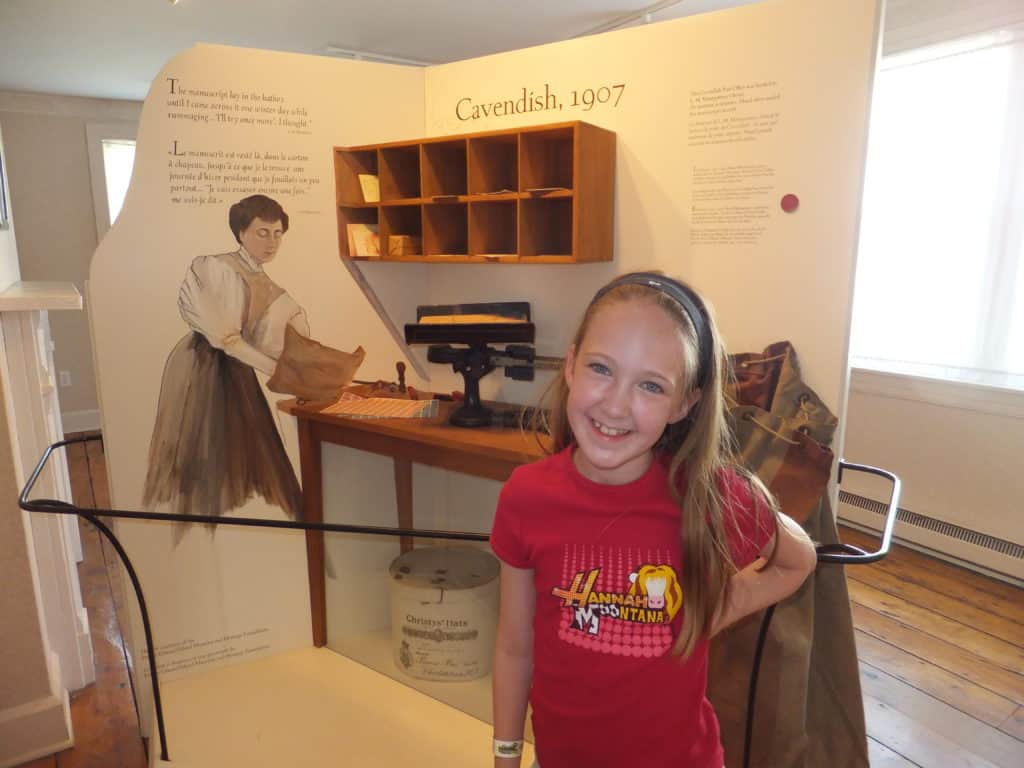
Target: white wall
{"type": "Point", "coordinates": [957, 450]}
{"type": "Point", "coordinates": [796, 282]}
{"type": "Point", "coordinates": [51, 187]}
{"type": "Point", "coordinates": [241, 589]}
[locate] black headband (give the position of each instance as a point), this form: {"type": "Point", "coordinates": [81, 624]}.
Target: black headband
{"type": "Point", "coordinates": [685, 298]}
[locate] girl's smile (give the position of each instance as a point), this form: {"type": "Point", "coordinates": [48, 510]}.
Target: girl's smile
{"type": "Point", "coordinates": [608, 431]}
{"type": "Point", "coordinates": [625, 385]}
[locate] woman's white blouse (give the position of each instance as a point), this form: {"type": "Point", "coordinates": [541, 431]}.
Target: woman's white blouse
{"type": "Point", "coordinates": [213, 301]}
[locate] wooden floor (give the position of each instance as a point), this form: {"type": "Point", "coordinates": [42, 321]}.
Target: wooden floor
{"type": "Point", "coordinates": [941, 656]}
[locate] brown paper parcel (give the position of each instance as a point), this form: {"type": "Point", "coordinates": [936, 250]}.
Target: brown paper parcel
{"type": "Point", "coordinates": [311, 371]}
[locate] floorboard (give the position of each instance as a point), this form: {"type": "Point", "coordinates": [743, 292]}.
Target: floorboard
{"type": "Point", "coordinates": [914, 741]}
{"type": "Point", "coordinates": [1005, 654]}
{"type": "Point", "coordinates": [1014, 726]}
{"type": "Point", "coordinates": [970, 699]}
{"type": "Point", "coordinates": [997, 597]}
{"type": "Point", "coordinates": [949, 606]}
{"type": "Point", "coordinates": [947, 656]}
{"type": "Point", "coordinates": [883, 757]}
{"type": "Point", "coordinates": [936, 715]}
{"type": "Point", "coordinates": [78, 472]}
{"type": "Point", "coordinates": [98, 472]}
{"type": "Point", "coordinates": [102, 714]}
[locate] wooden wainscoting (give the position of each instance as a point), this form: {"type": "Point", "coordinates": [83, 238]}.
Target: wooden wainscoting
{"type": "Point", "coordinates": [941, 656]}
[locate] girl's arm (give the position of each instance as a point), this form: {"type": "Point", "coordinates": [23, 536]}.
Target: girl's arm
{"type": "Point", "coordinates": [783, 565]}
{"type": "Point", "coordinates": [513, 657]}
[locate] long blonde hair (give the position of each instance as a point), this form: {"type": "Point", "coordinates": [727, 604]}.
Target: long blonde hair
{"type": "Point", "coordinates": [699, 445]}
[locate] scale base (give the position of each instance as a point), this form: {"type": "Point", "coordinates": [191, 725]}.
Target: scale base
{"type": "Point", "coordinates": [472, 415]}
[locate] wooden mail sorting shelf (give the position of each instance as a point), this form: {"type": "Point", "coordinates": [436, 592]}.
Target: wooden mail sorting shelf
{"type": "Point", "coordinates": [536, 195]}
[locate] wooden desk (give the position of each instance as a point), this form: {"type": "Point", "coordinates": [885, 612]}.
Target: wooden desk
{"type": "Point", "coordinates": [484, 452]}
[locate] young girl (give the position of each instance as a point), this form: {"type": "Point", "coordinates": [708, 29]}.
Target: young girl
{"type": "Point", "coordinates": [631, 545]}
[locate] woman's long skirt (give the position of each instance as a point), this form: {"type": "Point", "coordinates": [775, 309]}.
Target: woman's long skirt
{"type": "Point", "coordinates": [215, 444]}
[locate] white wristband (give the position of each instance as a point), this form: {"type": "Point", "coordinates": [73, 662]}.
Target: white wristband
{"type": "Point", "coordinates": [508, 748]}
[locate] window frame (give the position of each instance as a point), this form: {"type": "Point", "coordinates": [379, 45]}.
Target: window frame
{"type": "Point", "coordinates": [1003, 385]}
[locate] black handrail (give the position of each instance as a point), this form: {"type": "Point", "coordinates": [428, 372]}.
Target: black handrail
{"type": "Point", "coordinates": [63, 508]}
{"type": "Point", "coordinates": [847, 554]}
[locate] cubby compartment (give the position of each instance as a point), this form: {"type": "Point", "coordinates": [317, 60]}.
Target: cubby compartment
{"type": "Point", "coordinates": [348, 167]}
{"type": "Point", "coordinates": [397, 220]}
{"type": "Point", "coordinates": [445, 229]}
{"type": "Point", "coordinates": [443, 167]}
{"type": "Point", "coordinates": [494, 164]}
{"type": "Point", "coordinates": [399, 173]}
{"type": "Point", "coordinates": [545, 227]}
{"type": "Point", "coordinates": [492, 228]}
{"type": "Point", "coordinates": [346, 216]}
{"type": "Point", "coordinates": [546, 159]}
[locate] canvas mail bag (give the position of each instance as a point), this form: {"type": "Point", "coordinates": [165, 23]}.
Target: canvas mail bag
{"type": "Point", "coordinates": [809, 712]}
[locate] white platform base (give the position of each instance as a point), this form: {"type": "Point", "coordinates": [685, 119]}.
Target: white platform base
{"type": "Point", "coordinates": [313, 707]}
{"type": "Point", "coordinates": [373, 650]}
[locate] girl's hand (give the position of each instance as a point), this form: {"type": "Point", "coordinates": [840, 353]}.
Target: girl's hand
{"type": "Point", "coordinates": [783, 565]}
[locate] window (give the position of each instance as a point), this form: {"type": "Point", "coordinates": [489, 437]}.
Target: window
{"type": "Point", "coordinates": [118, 159]}
{"type": "Point", "coordinates": [940, 281]}
{"type": "Point", "coordinates": [111, 158]}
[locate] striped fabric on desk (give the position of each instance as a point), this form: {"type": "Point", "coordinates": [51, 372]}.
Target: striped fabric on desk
{"type": "Point", "coordinates": [382, 408]}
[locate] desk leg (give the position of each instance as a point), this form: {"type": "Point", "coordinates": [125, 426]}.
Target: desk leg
{"type": "Point", "coordinates": [403, 495]}
{"type": "Point", "coordinates": [313, 512]}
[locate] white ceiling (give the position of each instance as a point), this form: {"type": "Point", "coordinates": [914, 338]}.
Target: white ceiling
{"type": "Point", "coordinates": [114, 48]}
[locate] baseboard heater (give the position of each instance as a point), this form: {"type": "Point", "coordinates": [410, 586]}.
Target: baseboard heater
{"type": "Point", "coordinates": [978, 539]}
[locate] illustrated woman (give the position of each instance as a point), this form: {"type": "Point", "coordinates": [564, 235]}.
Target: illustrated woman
{"type": "Point", "coordinates": [631, 545]}
{"type": "Point", "coordinates": [215, 443]}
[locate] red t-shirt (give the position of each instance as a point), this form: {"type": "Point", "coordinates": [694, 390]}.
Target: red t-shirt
{"type": "Point", "coordinates": [607, 692]}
